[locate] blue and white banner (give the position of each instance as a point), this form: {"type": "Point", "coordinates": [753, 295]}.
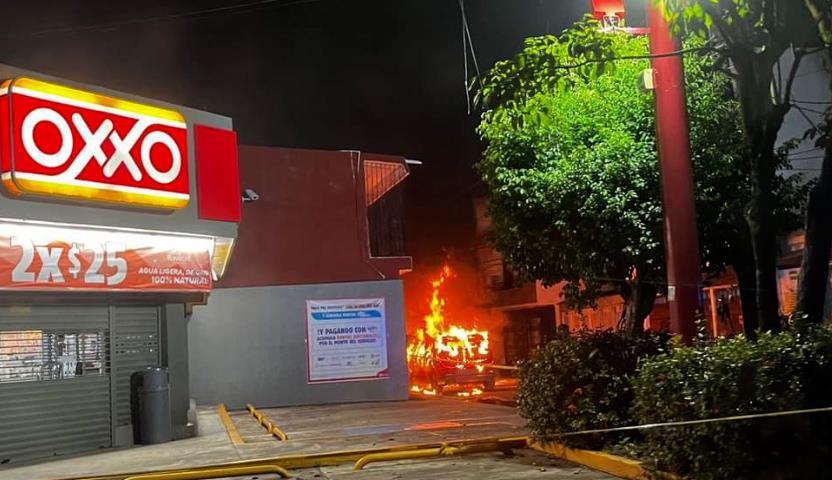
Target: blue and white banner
{"type": "Point", "coordinates": [346, 340]}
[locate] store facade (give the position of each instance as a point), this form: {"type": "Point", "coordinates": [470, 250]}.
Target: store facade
{"type": "Point", "coordinates": [117, 213]}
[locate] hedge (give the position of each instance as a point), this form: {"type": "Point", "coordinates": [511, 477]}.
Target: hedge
{"type": "Point", "coordinates": [730, 377]}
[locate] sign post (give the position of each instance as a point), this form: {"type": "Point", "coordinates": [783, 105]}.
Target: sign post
{"type": "Point", "coordinates": [681, 240]}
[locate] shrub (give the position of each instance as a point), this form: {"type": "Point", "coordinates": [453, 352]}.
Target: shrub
{"type": "Point", "coordinates": [730, 377]}
{"type": "Point", "coordinates": [583, 382]}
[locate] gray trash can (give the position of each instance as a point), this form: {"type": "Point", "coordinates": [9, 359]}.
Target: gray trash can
{"type": "Point", "coordinates": [153, 394]}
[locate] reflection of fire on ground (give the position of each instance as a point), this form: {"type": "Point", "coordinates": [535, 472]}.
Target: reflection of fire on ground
{"type": "Point", "coordinates": [445, 356]}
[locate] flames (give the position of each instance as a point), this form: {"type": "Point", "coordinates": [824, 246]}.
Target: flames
{"type": "Point", "coordinates": [440, 342]}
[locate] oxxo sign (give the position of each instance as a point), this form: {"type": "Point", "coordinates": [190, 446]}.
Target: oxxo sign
{"type": "Point", "coordinates": [62, 142]}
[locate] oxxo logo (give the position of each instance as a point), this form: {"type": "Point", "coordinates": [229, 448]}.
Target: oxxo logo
{"type": "Point", "coordinates": [92, 148]}
{"type": "Point", "coordinates": [74, 144]}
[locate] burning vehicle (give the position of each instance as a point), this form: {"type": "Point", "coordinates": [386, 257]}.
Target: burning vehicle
{"type": "Point", "coordinates": [441, 355]}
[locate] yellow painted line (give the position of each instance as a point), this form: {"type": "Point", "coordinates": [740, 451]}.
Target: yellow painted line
{"type": "Point", "coordinates": [603, 462]}
{"type": "Point", "coordinates": [270, 427]}
{"type": "Point", "coordinates": [206, 473]}
{"type": "Point", "coordinates": [331, 459]}
{"type": "Point", "coordinates": [396, 456]}
{"type": "Point", "coordinates": [443, 451]}
{"type": "Point", "coordinates": [230, 428]}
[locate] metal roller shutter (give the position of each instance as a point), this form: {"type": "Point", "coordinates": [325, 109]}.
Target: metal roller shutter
{"type": "Point", "coordinates": [54, 381]}
{"type": "Point", "coordinates": [135, 345]}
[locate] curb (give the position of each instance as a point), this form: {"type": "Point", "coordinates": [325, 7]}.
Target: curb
{"type": "Point", "coordinates": [496, 401]}
{"type": "Point", "coordinates": [603, 462]}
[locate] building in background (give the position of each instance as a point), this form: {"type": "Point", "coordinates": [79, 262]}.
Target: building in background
{"type": "Point", "coordinates": [311, 310]}
{"type": "Point", "coordinates": [533, 312]}
{"type": "Point", "coordinates": [118, 213]}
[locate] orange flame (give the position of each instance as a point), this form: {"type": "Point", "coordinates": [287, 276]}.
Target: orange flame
{"type": "Point", "coordinates": [452, 343]}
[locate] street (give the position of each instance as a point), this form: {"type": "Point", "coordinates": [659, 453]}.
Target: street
{"type": "Point", "coordinates": [330, 428]}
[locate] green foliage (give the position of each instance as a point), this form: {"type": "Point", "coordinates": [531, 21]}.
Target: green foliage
{"type": "Point", "coordinates": [731, 377]}
{"type": "Point", "coordinates": [583, 382]}
{"type": "Point", "coordinates": [548, 63]}
{"type": "Point", "coordinates": [572, 169]}
{"type": "Point", "coordinates": [757, 25]}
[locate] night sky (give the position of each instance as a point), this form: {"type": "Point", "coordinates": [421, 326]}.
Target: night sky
{"type": "Point", "coordinates": [380, 76]}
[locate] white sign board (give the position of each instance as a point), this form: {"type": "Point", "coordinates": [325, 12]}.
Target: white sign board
{"type": "Point", "coordinates": [346, 340]}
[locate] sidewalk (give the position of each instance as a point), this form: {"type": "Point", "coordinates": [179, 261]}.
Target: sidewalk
{"type": "Point", "coordinates": [315, 429]}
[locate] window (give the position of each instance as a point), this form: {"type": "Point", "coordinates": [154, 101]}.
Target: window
{"type": "Point", "coordinates": [37, 355]}
{"type": "Point", "coordinates": [384, 199]}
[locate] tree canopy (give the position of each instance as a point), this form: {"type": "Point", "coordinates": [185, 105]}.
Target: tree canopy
{"type": "Point", "coordinates": [761, 44]}
{"type": "Point", "coordinates": [572, 171]}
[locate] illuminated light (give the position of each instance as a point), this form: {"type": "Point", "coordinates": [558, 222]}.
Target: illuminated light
{"type": "Point", "coordinates": [46, 234]}
{"type": "Point", "coordinates": [94, 99]}
{"type": "Point", "coordinates": [136, 138]}
{"type": "Point", "coordinates": [223, 247]}
{"type": "Point", "coordinates": [93, 191]}
{"type": "Point", "coordinates": [480, 368]}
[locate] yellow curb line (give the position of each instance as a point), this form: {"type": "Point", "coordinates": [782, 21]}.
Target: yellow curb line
{"type": "Point", "coordinates": [331, 459]}
{"type": "Point", "coordinates": [230, 428]}
{"type": "Point", "coordinates": [603, 462]}
{"type": "Point", "coordinates": [221, 472]}
{"type": "Point", "coordinates": [270, 427]}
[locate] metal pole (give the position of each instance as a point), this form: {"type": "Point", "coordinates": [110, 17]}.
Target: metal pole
{"type": "Point", "coordinates": [673, 139]}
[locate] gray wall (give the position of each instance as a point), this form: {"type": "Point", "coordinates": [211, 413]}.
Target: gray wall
{"type": "Point", "coordinates": [247, 345]}
{"type": "Point", "coordinates": [174, 334]}
{"type": "Point", "coordinates": [810, 91]}
{"type": "Point", "coordinates": [185, 220]}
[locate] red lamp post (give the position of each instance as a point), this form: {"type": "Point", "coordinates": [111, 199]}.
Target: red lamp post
{"type": "Point", "coordinates": [673, 139]}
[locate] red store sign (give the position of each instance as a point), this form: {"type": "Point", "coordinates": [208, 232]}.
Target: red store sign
{"type": "Point", "coordinates": [68, 143]}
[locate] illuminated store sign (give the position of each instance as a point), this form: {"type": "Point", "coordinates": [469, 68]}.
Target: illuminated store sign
{"type": "Point", "coordinates": [62, 142]}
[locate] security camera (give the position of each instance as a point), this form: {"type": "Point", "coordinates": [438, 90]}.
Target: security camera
{"type": "Point", "coordinates": [249, 195]}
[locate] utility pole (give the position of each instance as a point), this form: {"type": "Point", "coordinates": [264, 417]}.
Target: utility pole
{"type": "Point", "coordinates": [681, 241]}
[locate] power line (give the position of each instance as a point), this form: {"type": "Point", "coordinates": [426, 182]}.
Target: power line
{"type": "Point", "coordinates": [468, 43]}
{"type": "Point", "coordinates": [685, 423]}
{"type": "Point", "coordinates": [675, 53]}
{"type": "Point", "coordinates": [465, 59]}
{"type": "Point", "coordinates": [812, 102]}
{"type": "Point", "coordinates": [173, 16]}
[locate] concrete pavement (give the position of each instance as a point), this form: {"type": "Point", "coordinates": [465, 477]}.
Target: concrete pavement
{"type": "Point", "coordinates": [316, 429]}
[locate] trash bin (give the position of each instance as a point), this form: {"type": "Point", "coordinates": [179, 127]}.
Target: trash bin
{"type": "Point", "coordinates": [152, 388]}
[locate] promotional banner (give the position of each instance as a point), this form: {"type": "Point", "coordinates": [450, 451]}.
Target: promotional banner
{"type": "Point", "coordinates": [37, 257]}
{"type": "Point", "coordinates": [346, 340]}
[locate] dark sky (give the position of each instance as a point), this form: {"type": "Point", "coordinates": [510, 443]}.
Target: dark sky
{"type": "Point", "coordinates": [376, 75]}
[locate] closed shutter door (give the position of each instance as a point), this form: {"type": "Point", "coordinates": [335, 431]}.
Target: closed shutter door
{"type": "Point", "coordinates": [135, 346]}
{"type": "Point", "coordinates": [54, 381]}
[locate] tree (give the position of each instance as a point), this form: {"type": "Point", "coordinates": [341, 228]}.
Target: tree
{"type": "Point", "coordinates": [751, 37]}
{"type": "Point", "coordinates": [573, 176]}
{"type": "Point", "coordinates": [814, 267]}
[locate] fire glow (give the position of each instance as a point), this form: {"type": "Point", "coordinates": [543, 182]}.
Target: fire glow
{"type": "Point", "coordinates": [441, 345]}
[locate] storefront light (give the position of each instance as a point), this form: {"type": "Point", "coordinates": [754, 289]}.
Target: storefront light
{"type": "Point", "coordinates": [222, 253]}
{"type": "Point", "coordinates": [46, 233]}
